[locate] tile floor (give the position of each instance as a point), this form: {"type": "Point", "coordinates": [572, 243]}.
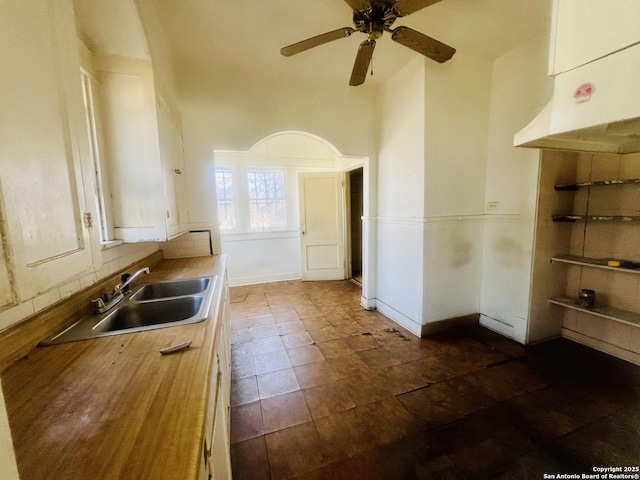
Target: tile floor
{"type": "Point", "coordinates": [323, 389]}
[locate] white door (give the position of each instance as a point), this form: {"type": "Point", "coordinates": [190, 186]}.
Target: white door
{"type": "Point", "coordinates": [321, 226]}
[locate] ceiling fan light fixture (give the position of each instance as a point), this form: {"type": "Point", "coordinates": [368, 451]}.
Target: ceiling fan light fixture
{"type": "Point", "coordinates": [375, 30]}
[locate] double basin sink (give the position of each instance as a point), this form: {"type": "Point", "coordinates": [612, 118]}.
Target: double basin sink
{"type": "Point", "coordinates": [156, 305]}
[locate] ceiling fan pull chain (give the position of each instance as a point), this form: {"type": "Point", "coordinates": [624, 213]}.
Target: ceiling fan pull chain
{"type": "Point", "coordinates": [372, 67]}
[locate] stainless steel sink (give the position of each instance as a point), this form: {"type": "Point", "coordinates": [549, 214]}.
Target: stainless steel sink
{"type": "Point", "coordinates": [138, 315]}
{"type": "Point", "coordinates": [173, 288]}
{"type": "Point", "coordinates": [157, 305]}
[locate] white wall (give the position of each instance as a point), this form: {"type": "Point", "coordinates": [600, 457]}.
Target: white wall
{"type": "Point", "coordinates": [401, 196]}
{"type": "Point", "coordinates": [452, 268]}
{"type": "Point", "coordinates": [520, 88]}
{"type": "Point", "coordinates": [113, 260]}
{"type": "Point", "coordinates": [471, 259]}
{"type": "Point", "coordinates": [432, 165]}
{"type": "Point", "coordinates": [164, 73]}
{"type": "Point", "coordinates": [401, 154]}
{"type": "Point", "coordinates": [234, 113]}
{"type": "Point", "coordinates": [456, 134]}
{"type": "Point", "coordinates": [269, 256]}
{"type": "Point", "coordinates": [262, 259]}
{"type": "Point", "coordinates": [112, 28]}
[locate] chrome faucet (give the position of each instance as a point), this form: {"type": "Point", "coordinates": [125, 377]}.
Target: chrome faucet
{"type": "Point", "coordinates": [110, 300]}
{"type": "Point", "coordinates": [121, 288]}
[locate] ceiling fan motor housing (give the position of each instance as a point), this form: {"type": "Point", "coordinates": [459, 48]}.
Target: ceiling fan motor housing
{"type": "Point", "coordinates": [375, 20]}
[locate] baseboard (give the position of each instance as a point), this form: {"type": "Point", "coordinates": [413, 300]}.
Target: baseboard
{"type": "Point", "coordinates": [596, 344]}
{"type": "Point", "coordinates": [449, 323]}
{"type": "Point", "coordinates": [368, 303]}
{"type": "Point", "coordinates": [281, 277]}
{"type": "Point", "coordinates": [399, 318]}
{"type": "Point", "coordinates": [497, 326]}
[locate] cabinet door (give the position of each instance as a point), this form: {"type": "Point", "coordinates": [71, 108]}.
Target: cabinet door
{"type": "Point", "coordinates": [589, 29]}
{"type": "Point", "coordinates": [220, 463]}
{"type": "Point", "coordinates": [127, 98]}
{"type": "Point", "coordinates": [219, 402]}
{"type": "Point", "coordinates": [213, 399]}
{"type": "Point", "coordinates": [170, 136]}
{"type": "Point", "coordinates": [45, 163]}
{"type": "Point", "coordinates": [6, 292]}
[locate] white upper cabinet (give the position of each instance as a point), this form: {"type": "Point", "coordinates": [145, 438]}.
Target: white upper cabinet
{"type": "Point", "coordinates": [143, 145]}
{"type": "Point", "coordinates": [171, 152]}
{"type": "Point", "coordinates": [46, 175]}
{"type": "Point", "coordinates": [585, 30]}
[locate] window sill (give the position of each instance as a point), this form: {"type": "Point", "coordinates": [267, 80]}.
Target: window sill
{"type": "Point", "coordinates": [111, 244]}
{"type": "Point", "coordinates": [246, 236]}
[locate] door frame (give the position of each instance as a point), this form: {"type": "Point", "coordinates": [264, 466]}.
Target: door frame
{"type": "Point", "coordinates": [369, 226]}
{"type": "Point", "coordinates": [347, 228]}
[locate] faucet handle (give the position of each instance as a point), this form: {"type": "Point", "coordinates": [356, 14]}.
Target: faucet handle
{"type": "Point", "coordinates": [99, 302]}
{"type": "Point", "coordinates": [123, 279]}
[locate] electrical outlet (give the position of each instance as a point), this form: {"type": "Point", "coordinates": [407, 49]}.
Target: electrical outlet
{"type": "Point", "coordinates": [492, 206]}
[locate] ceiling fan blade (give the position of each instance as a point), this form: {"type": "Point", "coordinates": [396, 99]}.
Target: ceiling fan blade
{"type": "Point", "coordinates": [361, 66]}
{"type": "Point", "coordinates": [316, 41]}
{"type": "Point", "coordinates": [407, 7]}
{"type": "Point", "coordinates": [427, 46]}
{"type": "Point", "coordinates": [358, 5]}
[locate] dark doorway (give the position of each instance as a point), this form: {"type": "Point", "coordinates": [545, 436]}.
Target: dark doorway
{"type": "Point", "coordinates": [356, 210]}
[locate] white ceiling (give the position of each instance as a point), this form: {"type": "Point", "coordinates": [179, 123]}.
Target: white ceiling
{"type": "Point", "coordinates": [226, 38]}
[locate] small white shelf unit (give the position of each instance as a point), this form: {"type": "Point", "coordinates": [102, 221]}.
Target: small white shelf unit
{"type": "Point", "coordinates": [595, 218]}
{"type": "Point", "coordinates": [592, 262]}
{"type": "Point", "coordinates": [598, 183]}
{"type": "Point", "coordinates": [611, 313]}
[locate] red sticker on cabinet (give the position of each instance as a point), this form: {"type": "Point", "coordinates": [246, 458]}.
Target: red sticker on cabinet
{"type": "Point", "coordinates": [583, 92]}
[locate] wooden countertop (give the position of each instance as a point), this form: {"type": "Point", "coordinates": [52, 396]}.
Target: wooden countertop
{"type": "Point", "coordinates": [113, 407]}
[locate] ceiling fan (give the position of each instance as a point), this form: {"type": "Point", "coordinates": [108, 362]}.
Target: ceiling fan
{"type": "Point", "coordinates": [373, 18]}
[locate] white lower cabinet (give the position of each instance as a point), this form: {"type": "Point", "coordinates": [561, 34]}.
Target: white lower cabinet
{"type": "Point", "coordinates": [216, 462]}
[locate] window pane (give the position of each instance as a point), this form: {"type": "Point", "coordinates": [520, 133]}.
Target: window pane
{"type": "Point", "coordinates": [226, 200]}
{"type": "Point", "coordinates": [267, 199]}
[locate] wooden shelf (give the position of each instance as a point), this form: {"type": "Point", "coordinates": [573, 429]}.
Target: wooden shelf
{"type": "Point", "coordinates": [595, 218]}
{"type": "Point", "coordinates": [610, 313]}
{"type": "Point", "coordinates": [598, 183]}
{"type": "Point", "coordinates": [592, 262]}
